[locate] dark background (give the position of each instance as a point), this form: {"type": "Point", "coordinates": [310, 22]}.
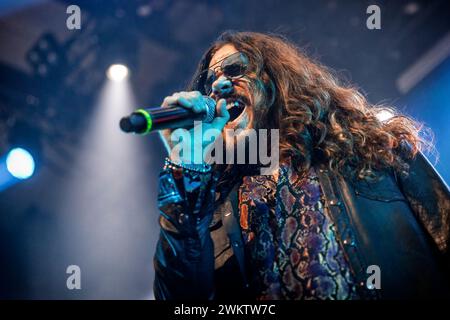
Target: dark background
{"type": "Point", "coordinates": [91, 201]}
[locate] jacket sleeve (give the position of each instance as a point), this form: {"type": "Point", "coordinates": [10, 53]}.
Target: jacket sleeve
{"type": "Point", "coordinates": [184, 258]}
{"type": "Point", "coordinates": [429, 198]}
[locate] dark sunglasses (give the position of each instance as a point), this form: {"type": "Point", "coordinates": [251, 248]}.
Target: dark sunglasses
{"type": "Point", "coordinates": [233, 67]}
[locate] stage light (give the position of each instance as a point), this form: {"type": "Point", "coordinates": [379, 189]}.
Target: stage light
{"type": "Point", "coordinates": [20, 163]}
{"type": "Point", "coordinates": [45, 55]}
{"type": "Point", "coordinates": [117, 72]}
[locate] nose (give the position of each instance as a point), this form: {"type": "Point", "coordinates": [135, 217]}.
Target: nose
{"type": "Point", "coordinates": [222, 86]}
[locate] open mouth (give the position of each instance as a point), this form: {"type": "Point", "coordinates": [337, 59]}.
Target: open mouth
{"type": "Point", "coordinates": [235, 108]}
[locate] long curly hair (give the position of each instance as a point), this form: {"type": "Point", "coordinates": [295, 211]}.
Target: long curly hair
{"type": "Point", "coordinates": [320, 117]}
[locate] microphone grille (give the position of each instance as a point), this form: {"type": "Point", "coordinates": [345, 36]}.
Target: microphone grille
{"type": "Point", "coordinates": [210, 109]}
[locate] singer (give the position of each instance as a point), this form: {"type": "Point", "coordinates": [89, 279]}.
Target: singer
{"type": "Point", "coordinates": [354, 210]}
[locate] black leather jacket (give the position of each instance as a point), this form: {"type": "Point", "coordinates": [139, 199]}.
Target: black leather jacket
{"type": "Point", "coordinates": [400, 224]}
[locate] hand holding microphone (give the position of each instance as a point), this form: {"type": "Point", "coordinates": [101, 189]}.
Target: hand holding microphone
{"type": "Point", "coordinates": [177, 112]}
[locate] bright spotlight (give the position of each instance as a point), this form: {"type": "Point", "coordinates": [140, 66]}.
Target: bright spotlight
{"type": "Point", "coordinates": [20, 163]}
{"type": "Point", "coordinates": [117, 72]}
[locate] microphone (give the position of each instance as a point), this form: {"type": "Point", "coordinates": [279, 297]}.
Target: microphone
{"type": "Point", "coordinates": [143, 121]}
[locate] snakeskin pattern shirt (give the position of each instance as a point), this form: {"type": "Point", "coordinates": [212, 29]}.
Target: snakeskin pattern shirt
{"type": "Point", "coordinates": [291, 241]}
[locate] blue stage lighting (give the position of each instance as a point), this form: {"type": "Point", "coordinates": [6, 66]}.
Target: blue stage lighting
{"type": "Point", "coordinates": [20, 163]}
